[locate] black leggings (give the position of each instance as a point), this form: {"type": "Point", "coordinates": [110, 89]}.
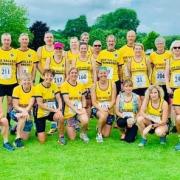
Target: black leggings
{"type": "Point", "coordinates": [130, 133]}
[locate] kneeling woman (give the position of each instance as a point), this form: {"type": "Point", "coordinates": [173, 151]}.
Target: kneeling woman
{"type": "Point", "coordinates": [23, 100]}
{"type": "Point", "coordinates": [153, 115]}
{"type": "Point", "coordinates": [127, 107]}
{"type": "Point", "coordinates": [75, 104]}
{"type": "Point", "coordinates": [49, 106]}
{"type": "Point", "coordinates": [103, 95]}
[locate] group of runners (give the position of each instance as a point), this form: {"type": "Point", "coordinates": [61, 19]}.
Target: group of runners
{"type": "Point", "coordinates": [121, 86]}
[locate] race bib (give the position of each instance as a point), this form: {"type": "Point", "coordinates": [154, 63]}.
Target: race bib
{"type": "Point", "coordinates": [128, 114]}
{"type": "Point", "coordinates": [154, 118]}
{"type": "Point", "coordinates": [83, 76]}
{"type": "Point", "coordinates": [160, 76]}
{"type": "Point", "coordinates": [24, 69]}
{"type": "Point", "coordinates": [77, 104]}
{"type": "Point", "coordinates": [6, 72]}
{"type": "Point", "coordinates": [50, 104]}
{"type": "Point", "coordinates": [104, 105]}
{"type": "Point", "coordinates": [139, 80]}
{"type": "Point", "coordinates": [109, 72]}
{"type": "Point", "coordinates": [176, 80]}
{"type": "Point", "coordinates": [59, 79]}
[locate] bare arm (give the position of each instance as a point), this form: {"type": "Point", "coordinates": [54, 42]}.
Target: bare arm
{"type": "Point", "coordinates": [44, 106]}
{"type": "Point", "coordinates": [113, 99]}
{"type": "Point", "coordinates": [165, 112]}
{"type": "Point", "coordinates": [59, 100]}
{"type": "Point", "coordinates": [118, 113]}
{"type": "Point", "coordinates": [39, 51]}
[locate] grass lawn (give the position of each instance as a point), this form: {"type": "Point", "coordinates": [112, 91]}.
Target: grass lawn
{"type": "Point", "coordinates": [111, 160]}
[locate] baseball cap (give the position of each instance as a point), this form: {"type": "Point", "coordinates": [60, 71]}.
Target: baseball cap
{"type": "Point", "coordinates": [58, 45]}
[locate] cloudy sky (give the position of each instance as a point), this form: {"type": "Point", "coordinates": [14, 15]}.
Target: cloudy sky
{"type": "Point", "coordinates": [162, 16]}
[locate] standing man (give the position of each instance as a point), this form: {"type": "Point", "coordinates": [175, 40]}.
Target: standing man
{"type": "Point", "coordinates": [8, 69]}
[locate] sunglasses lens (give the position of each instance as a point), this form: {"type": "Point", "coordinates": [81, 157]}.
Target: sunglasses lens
{"type": "Point", "coordinates": [98, 45]}
{"type": "Point", "coordinates": [176, 47]}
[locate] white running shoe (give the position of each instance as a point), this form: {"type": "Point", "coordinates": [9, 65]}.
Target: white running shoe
{"type": "Point", "coordinates": [84, 137]}
{"type": "Point", "coordinates": [99, 138]}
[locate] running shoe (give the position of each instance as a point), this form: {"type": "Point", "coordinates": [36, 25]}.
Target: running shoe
{"type": "Point", "coordinates": [18, 143]}
{"type": "Point", "coordinates": [8, 146]}
{"type": "Point", "coordinates": [84, 137]}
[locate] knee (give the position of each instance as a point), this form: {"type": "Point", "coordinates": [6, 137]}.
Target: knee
{"type": "Point", "coordinates": [178, 119]}
{"type": "Point", "coordinates": [160, 132]}
{"type": "Point", "coordinates": [42, 138]}
{"type": "Point", "coordinates": [5, 122]}
{"type": "Point", "coordinates": [140, 120]}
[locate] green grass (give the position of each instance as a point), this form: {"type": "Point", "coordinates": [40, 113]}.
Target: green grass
{"type": "Point", "coordinates": [113, 159]}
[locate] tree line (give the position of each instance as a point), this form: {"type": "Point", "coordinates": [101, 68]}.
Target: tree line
{"type": "Point", "coordinates": [14, 19]}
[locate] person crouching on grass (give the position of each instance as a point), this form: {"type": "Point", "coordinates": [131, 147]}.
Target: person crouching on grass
{"type": "Point", "coordinates": [153, 115]}
{"type": "Point", "coordinates": [103, 95]}
{"type": "Point", "coordinates": [127, 107]}
{"type": "Point", "coordinates": [73, 94]}
{"type": "Point", "coordinates": [49, 106]}
{"type": "Point", "coordinates": [23, 100]}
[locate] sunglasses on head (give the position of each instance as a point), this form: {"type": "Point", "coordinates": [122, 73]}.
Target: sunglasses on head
{"type": "Point", "coordinates": [97, 45]}
{"type": "Point", "coordinates": [176, 47]}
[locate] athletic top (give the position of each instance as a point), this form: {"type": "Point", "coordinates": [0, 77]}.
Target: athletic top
{"type": "Point", "coordinates": [174, 73]}
{"type": "Point", "coordinates": [48, 96]}
{"type": "Point", "coordinates": [27, 59]}
{"type": "Point", "coordinates": [75, 96]}
{"type": "Point", "coordinates": [111, 60]}
{"type": "Point", "coordinates": [104, 96]}
{"type": "Point", "coordinates": [126, 53]}
{"type": "Point", "coordinates": [59, 69]}
{"type": "Point", "coordinates": [8, 61]}
{"type": "Point", "coordinates": [23, 97]}
{"type": "Point", "coordinates": [85, 72]}
{"type": "Point", "coordinates": [139, 72]}
{"type": "Point", "coordinates": [176, 97]}
{"type": "Point", "coordinates": [159, 62]}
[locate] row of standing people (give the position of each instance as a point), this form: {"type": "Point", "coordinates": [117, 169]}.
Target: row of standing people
{"type": "Point", "coordinates": [128, 62]}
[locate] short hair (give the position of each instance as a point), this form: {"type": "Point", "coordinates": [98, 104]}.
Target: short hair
{"type": "Point", "coordinates": [83, 43]}
{"type": "Point", "coordinates": [84, 34]}
{"type": "Point", "coordinates": [128, 82]}
{"type": "Point", "coordinates": [5, 34]}
{"type": "Point", "coordinates": [111, 36]}
{"type": "Point", "coordinates": [46, 71]}
{"type": "Point", "coordinates": [160, 39]}
{"type": "Point", "coordinates": [72, 68]}
{"type": "Point", "coordinates": [48, 32]}
{"type": "Point", "coordinates": [139, 44]}
{"type": "Point", "coordinates": [131, 31]}
{"type": "Point", "coordinates": [23, 34]}
{"type": "Point", "coordinates": [97, 41]}
{"type": "Point", "coordinates": [173, 44]}
{"type": "Point", "coordinates": [25, 76]}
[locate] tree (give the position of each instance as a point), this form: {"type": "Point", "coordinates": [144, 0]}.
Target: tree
{"type": "Point", "coordinates": [122, 18]}
{"type": "Point", "coordinates": [38, 29]}
{"type": "Point", "coordinates": [149, 40]}
{"type": "Point", "coordinates": [13, 19]}
{"type": "Point", "coordinates": [75, 27]}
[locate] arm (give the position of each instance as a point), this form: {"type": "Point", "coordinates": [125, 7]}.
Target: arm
{"type": "Point", "coordinates": [59, 100]}
{"type": "Point", "coordinates": [30, 105]}
{"type": "Point", "coordinates": [118, 113]}
{"type": "Point", "coordinates": [39, 51]}
{"type": "Point", "coordinates": [48, 61]}
{"type": "Point", "coordinates": [128, 68]}
{"type": "Point", "coordinates": [33, 74]}
{"type": "Point", "coordinates": [94, 70]}
{"type": "Point", "coordinates": [44, 106]}
{"type": "Point", "coordinates": [16, 106]}
{"type": "Point", "coordinates": [165, 112]}
{"type": "Point", "coordinates": [167, 77]}
{"type": "Point", "coordinates": [113, 99]}
{"type": "Point", "coordinates": [83, 101]}
{"type": "Point", "coordinates": [149, 70]}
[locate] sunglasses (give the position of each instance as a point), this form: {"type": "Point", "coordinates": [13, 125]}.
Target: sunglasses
{"type": "Point", "coordinates": [176, 47]}
{"type": "Point", "coordinates": [97, 45]}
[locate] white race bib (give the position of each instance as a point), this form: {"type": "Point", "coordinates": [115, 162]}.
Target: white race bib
{"type": "Point", "coordinates": [50, 104]}
{"type": "Point", "coordinates": [139, 80]}
{"type": "Point", "coordinates": [24, 69]}
{"type": "Point", "coordinates": [176, 80]}
{"type": "Point", "coordinates": [128, 114]}
{"type": "Point", "coordinates": [109, 72]}
{"type": "Point", "coordinates": [154, 118]}
{"type": "Point", "coordinates": [6, 72]}
{"type": "Point", "coordinates": [59, 79]}
{"type": "Point", "coordinates": [104, 104]}
{"type": "Point", "coordinates": [83, 76]}
{"type": "Point", "coordinates": [77, 104]}
{"type": "Point", "coordinates": [160, 76]}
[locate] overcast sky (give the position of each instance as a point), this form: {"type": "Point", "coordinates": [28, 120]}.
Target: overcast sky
{"type": "Point", "coordinates": [162, 16]}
